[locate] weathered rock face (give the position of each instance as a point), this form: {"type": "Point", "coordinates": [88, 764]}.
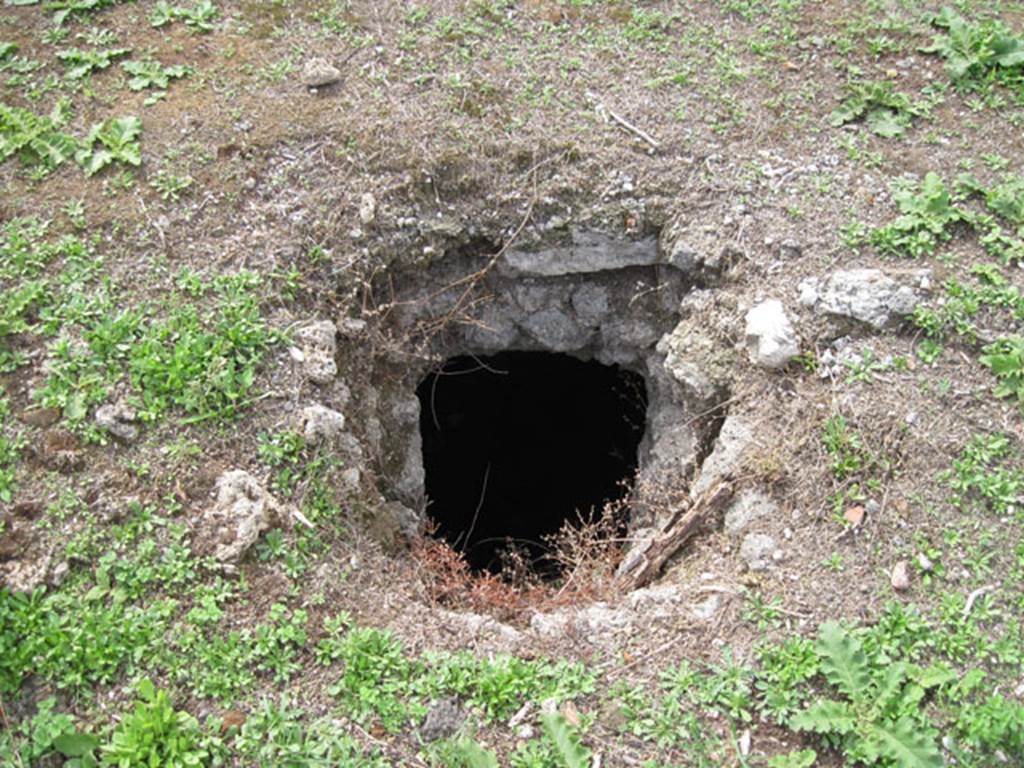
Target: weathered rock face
{"type": "Point", "coordinates": [117, 419]}
{"type": "Point", "coordinates": [758, 551]}
{"type": "Point", "coordinates": [318, 72]}
{"type": "Point", "coordinates": [443, 719]}
{"type": "Point", "coordinates": [771, 340]}
{"type": "Point", "coordinates": [869, 296]}
{"type": "Point", "coordinates": [733, 441]}
{"type": "Point", "coordinates": [317, 351]}
{"type": "Point", "coordinates": [747, 508]}
{"type": "Point", "coordinates": [321, 425]}
{"type": "Point", "coordinates": [242, 512]}
{"type": "Point", "coordinates": [586, 252]}
{"type": "Point", "coordinates": [695, 353]}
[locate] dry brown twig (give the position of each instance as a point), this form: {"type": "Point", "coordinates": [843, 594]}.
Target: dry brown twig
{"type": "Point", "coordinates": [645, 564]}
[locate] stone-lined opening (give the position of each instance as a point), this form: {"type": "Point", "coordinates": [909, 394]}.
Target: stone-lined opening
{"type": "Point", "coordinates": [516, 444]}
{"type": "Point", "coordinates": [637, 303]}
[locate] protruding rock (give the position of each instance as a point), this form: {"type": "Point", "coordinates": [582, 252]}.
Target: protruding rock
{"type": "Point", "coordinates": [734, 437]}
{"type": "Point", "coordinates": [318, 348]}
{"type": "Point", "coordinates": [242, 512]}
{"type": "Point", "coordinates": [758, 551]}
{"type": "Point", "coordinates": [746, 508]}
{"type": "Point", "coordinates": [588, 252]}
{"type": "Point", "coordinates": [695, 354]}
{"type": "Point", "coordinates": [318, 72]}
{"type": "Point", "coordinates": [868, 296]}
{"type": "Point", "coordinates": [771, 341]}
{"type": "Point", "coordinates": [443, 719]}
{"type": "Point", "coordinates": [706, 610]}
{"type": "Point", "coordinates": [321, 425]}
{"type": "Point", "coordinates": [900, 576]}
{"type": "Point", "coordinates": [116, 419]}
{"type": "Point", "coordinates": [367, 208]}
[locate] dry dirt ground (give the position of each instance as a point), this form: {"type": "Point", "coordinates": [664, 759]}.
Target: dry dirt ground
{"type": "Point", "coordinates": [177, 288]}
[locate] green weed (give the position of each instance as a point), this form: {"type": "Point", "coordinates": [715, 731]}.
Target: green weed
{"type": "Point", "coordinates": [1005, 358]}
{"type": "Point", "coordinates": [199, 17]}
{"type": "Point", "coordinates": [978, 54]}
{"type": "Point", "coordinates": [84, 62]}
{"type": "Point", "coordinates": [876, 717]}
{"type": "Point", "coordinates": [885, 111]}
{"type": "Point", "coordinates": [928, 215]}
{"type": "Point", "coordinates": [154, 733]}
{"type": "Point", "coordinates": [149, 73]}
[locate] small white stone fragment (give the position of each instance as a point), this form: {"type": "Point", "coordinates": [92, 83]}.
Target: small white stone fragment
{"type": "Point", "coordinates": [771, 340]}
{"type": "Point", "coordinates": [758, 551]}
{"type": "Point", "coordinates": [900, 577]}
{"type": "Point", "coordinates": [367, 208]}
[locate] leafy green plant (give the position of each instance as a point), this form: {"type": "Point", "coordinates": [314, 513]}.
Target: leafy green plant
{"type": "Point", "coordinates": [46, 735]}
{"type": "Point", "coordinates": [466, 753]}
{"type": "Point", "coordinates": [10, 452]}
{"type": "Point", "coordinates": [978, 53]}
{"type": "Point", "coordinates": [282, 451]}
{"type": "Point", "coordinates": [885, 111]}
{"type": "Point", "coordinates": [199, 17]}
{"type": "Point", "coordinates": [276, 735]}
{"type": "Point", "coordinates": [846, 446]}
{"type": "Point", "coordinates": [785, 668]}
{"type": "Point", "coordinates": [114, 140]}
{"type": "Point", "coordinates": [928, 215]}
{"type": "Point", "coordinates": [277, 642]}
{"type": "Point", "coordinates": [760, 612]}
{"type": "Point", "coordinates": [37, 140]}
{"type": "Point", "coordinates": [374, 677]}
{"type": "Point", "coordinates": [570, 753]}
{"type": "Point", "coordinates": [1005, 358]}
{"type": "Point", "coordinates": [872, 719]}
{"type": "Point", "coordinates": [169, 185]}
{"type": "Point", "coordinates": [84, 62]}
{"type": "Point", "coordinates": [65, 8]}
{"type": "Point", "coordinates": [155, 734]}
{"type": "Point", "coordinates": [802, 758]}
{"type": "Point", "coordinates": [205, 365]}
{"type": "Point", "coordinates": [150, 73]}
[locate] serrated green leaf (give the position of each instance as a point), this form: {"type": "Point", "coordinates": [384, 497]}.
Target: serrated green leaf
{"type": "Point", "coordinates": [54, 148]}
{"type": "Point", "coordinates": [904, 743]}
{"type": "Point", "coordinates": [562, 736]}
{"type": "Point", "coordinates": [886, 123]}
{"type": "Point", "coordinates": [826, 716]}
{"type": "Point", "coordinates": [935, 675]}
{"type": "Point", "coordinates": [843, 661]}
{"type": "Point", "coordinates": [846, 113]}
{"type": "Point", "coordinates": [96, 160]}
{"type": "Point", "coordinates": [889, 686]}
{"type": "Point", "coordinates": [122, 130]}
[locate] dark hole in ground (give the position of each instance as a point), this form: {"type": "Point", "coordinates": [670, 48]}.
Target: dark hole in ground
{"type": "Point", "coordinates": [515, 444]}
